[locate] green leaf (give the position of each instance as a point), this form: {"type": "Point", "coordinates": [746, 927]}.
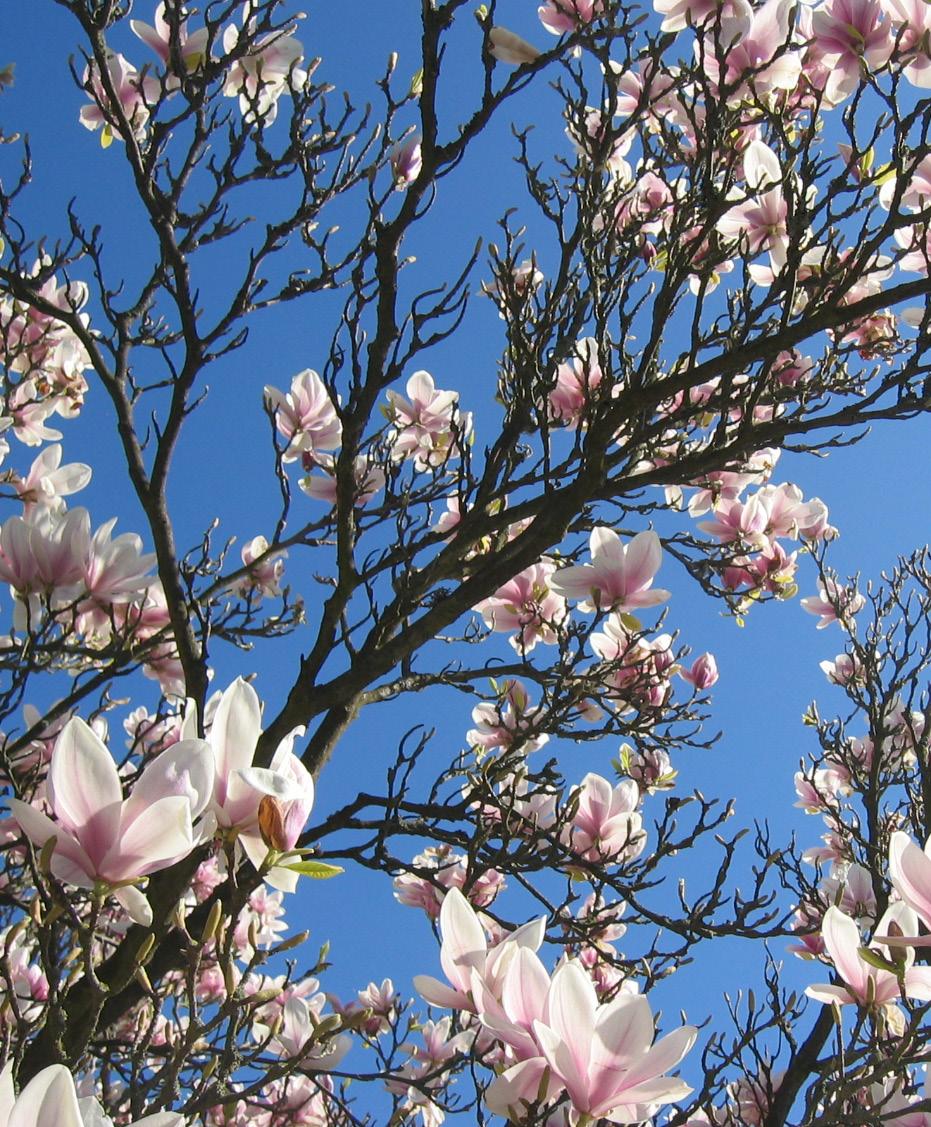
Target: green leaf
{"type": "Point", "coordinates": [315, 869]}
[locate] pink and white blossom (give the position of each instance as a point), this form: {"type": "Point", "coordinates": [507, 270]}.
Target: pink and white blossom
{"type": "Point", "coordinates": [428, 426]}
{"type": "Point", "coordinates": [102, 838]}
{"type": "Point", "coordinates": [529, 605]}
{"type": "Point", "coordinates": [136, 95]}
{"type": "Point", "coordinates": [261, 69]}
{"type": "Point", "coordinates": [620, 575]}
{"type": "Point", "coordinates": [306, 416]}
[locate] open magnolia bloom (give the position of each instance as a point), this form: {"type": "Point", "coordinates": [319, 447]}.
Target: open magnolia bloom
{"type": "Point", "coordinates": [466, 956]}
{"type": "Point", "coordinates": [102, 838]}
{"type": "Point", "coordinates": [50, 1100]}
{"type": "Point", "coordinates": [602, 1055]}
{"type": "Point", "coordinates": [285, 786]}
{"type": "Point", "coordinates": [866, 984]}
{"type": "Point", "coordinates": [620, 576]}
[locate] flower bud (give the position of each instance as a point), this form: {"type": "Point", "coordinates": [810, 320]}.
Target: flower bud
{"type": "Point", "coordinates": [281, 821]}
{"type": "Point", "coordinates": [507, 47]}
{"type": "Point", "coordinates": [703, 674]}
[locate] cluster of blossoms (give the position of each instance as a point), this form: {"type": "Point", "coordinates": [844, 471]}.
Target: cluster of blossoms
{"type": "Point", "coordinates": [260, 68]}
{"type": "Point", "coordinates": [44, 355]}
{"type": "Point", "coordinates": [548, 1036]}
{"type": "Point", "coordinates": [189, 791]}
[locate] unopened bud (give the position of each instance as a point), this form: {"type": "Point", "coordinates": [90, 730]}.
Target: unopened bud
{"type": "Point", "coordinates": [330, 1024]}
{"type": "Point", "coordinates": [45, 855]}
{"type": "Point", "coordinates": [145, 950]}
{"type": "Point", "coordinates": [263, 997]}
{"type": "Point", "coordinates": [291, 942]}
{"type": "Point", "coordinates": [143, 979]}
{"type": "Point", "coordinates": [507, 47]}
{"type": "Point", "coordinates": [212, 923]}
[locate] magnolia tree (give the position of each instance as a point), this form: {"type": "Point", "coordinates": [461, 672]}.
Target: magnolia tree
{"type": "Point", "coordinates": [719, 251]}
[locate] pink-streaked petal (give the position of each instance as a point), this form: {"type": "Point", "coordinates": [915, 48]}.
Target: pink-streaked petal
{"type": "Point", "coordinates": [83, 779]}
{"type": "Point", "coordinates": [161, 833]}
{"type": "Point", "coordinates": [650, 598]}
{"type": "Point", "coordinates": [520, 1083]}
{"type": "Point", "coordinates": [235, 732]}
{"type": "Point", "coordinates": [910, 873]}
{"type": "Point", "coordinates": [186, 768]}
{"type": "Point", "coordinates": [570, 1012]}
{"type": "Point", "coordinates": [842, 942]}
{"type": "Point", "coordinates": [464, 943]}
{"type": "Point", "coordinates": [563, 1064]}
{"type": "Point", "coordinates": [623, 1033]}
{"type": "Point", "coordinates": [525, 987]}
{"type": "Point", "coordinates": [274, 783]}
{"type": "Point", "coordinates": [662, 1089]}
{"type": "Point", "coordinates": [606, 548]}
{"type": "Point", "coordinates": [918, 983]}
{"type": "Point", "coordinates": [529, 934]}
{"type": "Point", "coordinates": [825, 992]}
{"type": "Point", "coordinates": [70, 863]}
{"type": "Point", "coordinates": [664, 1055]}
{"type": "Point", "coordinates": [574, 582]}
{"type": "Point", "coordinates": [642, 560]}
{"type": "Point", "coordinates": [439, 994]}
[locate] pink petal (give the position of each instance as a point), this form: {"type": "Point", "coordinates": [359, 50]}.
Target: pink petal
{"type": "Point", "coordinates": [665, 1054]}
{"type": "Point", "coordinates": [910, 873]}
{"type": "Point", "coordinates": [439, 994]}
{"type": "Point", "coordinates": [464, 943]}
{"type": "Point", "coordinates": [235, 732]}
{"type": "Point", "coordinates": [623, 1032]}
{"type": "Point", "coordinates": [642, 560]}
{"type": "Point", "coordinates": [83, 779]}
{"type": "Point", "coordinates": [160, 834]}
{"type": "Point", "coordinates": [571, 1008]}
{"type": "Point", "coordinates": [525, 987]}
{"type": "Point", "coordinates": [842, 940]}
{"type": "Point", "coordinates": [519, 1083]}
{"type": "Point", "coordinates": [70, 863]}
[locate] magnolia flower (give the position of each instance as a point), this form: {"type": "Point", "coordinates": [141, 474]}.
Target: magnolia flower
{"type": "Point", "coordinates": [832, 601]}
{"type": "Point", "coordinates": [48, 481]}
{"type": "Point", "coordinates": [561, 16]}
{"type": "Point", "coordinates": [406, 162]}
{"type": "Point", "coordinates": [50, 1100]}
{"type": "Point", "coordinates": [136, 93]}
{"type": "Point", "coordinates": [619, 576]}
{"type": "Point", "coordinates": [241, 788]}
{"type": "Point", "coordinates": [703, 674]}
{"type": "Point", "coordinates": [192, 49]}
{"type": "Point", "coordinates": [866, 984]}
{"type": "Point", "coordinates": [102, 838]}
{"type": "Point", "coordinates": [603, 1056]}
{"type": "Point", "coordinates": [528, 605]}
{"type": "Point", "coordinates": [305, 415]}
{"type": "Point", "coordinates": [606, 824]}
{"type": "Point", "coordinates": [465, 954]}
{"type": "Point", "coordinates": [428, 425]}
{"type": "Point", "coordinates": [258, 77]}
